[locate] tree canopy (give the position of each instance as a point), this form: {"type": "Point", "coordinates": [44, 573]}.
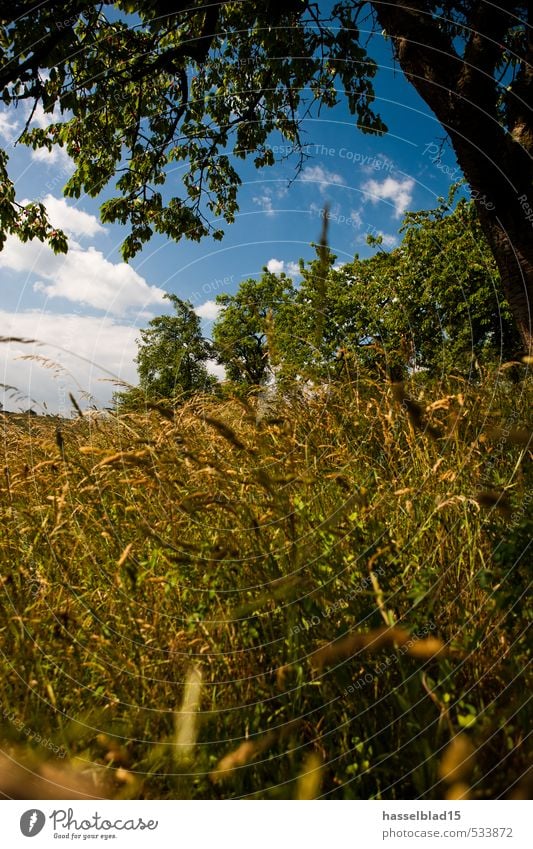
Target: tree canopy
{"type": "Point", "coordinates": [433, 303]}
{"type": "Point", "coordinates": [172, 356]}
{"type": "Point", "coordinates": [138, 92]}
{"type": "Point", "coordinates": [243, 335]}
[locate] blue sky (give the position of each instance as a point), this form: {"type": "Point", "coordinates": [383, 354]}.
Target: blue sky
{"type": "Point", "coordinates": [86, 308]}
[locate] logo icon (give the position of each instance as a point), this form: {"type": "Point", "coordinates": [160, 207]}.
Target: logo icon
{"type": "Point", "coordinates": [32, 822]}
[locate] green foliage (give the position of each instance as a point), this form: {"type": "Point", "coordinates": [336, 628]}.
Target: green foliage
{"type": "Point", "coordinates": [450, 290]}
{"type": "Point", "coordinates": [27, 221]}
{"type": "Point", "coordinates": [134, 89]}
{"type": "Point", "coordinates": [308, 334]}
{"type": "Point", "coordinates": [147, 92]}
{"type": "Point", "coordinates": [138, 96]}
{"type": "Point", "coordinates": [242, 334]}
{"type": "Point", "coordinates": [172, 355]}
{"type": "Point", "coordinates": [432, 303]}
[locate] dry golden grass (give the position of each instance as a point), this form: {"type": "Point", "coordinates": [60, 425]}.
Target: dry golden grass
{"type": "Point", "coordinates": [335, 577]}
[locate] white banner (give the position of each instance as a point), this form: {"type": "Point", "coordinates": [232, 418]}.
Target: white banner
{"type": "Point", "coordinates": [258, 825]}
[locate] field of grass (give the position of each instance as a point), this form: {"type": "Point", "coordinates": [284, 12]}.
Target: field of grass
{"type": "Point", "coordinates": [329, 599]}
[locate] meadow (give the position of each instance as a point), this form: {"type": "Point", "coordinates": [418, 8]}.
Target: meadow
{"type": "Point", "coordinates": [324, 599]}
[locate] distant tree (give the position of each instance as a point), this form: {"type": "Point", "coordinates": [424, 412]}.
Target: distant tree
{"type": "Point", "coordinates": [306, 329]}
{"type": "Point", "coordinates": [172, 356]}
{"type": "Point", "coordinates": [244, 333]}
{"type": "Point", "coordinates": [143, 86]}
{"type": "Point", "coordinates": [434, 302]}
{"type": "Point", "coordinates": [447, 290]}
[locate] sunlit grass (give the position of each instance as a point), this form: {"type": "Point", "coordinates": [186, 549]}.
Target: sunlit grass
{"type": "Point", "coordinates": [206, 602]}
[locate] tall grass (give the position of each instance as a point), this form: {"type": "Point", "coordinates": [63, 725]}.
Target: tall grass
{"type": "Point", "coordinates": [329, 600]}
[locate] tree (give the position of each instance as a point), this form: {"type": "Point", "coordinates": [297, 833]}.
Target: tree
{"type": "Point", "coordinates": [154, 83]}
{"type": "Point", "coordinates": [243, 334]}
{"type": "Point", "coordinates": [433, 303]}
{"type": "Point", "coordinates": [446, 283]}
{"type": "Point", "coordinates": [172, 355]}
{"type": "Point", "coordinates": [472, 63]}
{"type": "Point", "coordinates": [309, 328]}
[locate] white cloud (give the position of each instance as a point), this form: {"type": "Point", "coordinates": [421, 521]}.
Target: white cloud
{"type": "Point", "coordinates": [9, 128]}
{"type": "Point", "coordinates": [277, 266]}
{"type": "Point", "coordinates": [389, 239]}
{"type": "Point", "coordinates": [324, 178]}
{"type": "Point", "coordinates": [81, 276]}
{"type": "Point", "coordinates": [73, 221]}
{"type": "Point", "coordinates": [57, 157]}
{"type": "Point", "coordinates": [89, 352]}
{"type": "Point", "coordinates": [399, 192]}
{"type": "Point", "coordinates": [209, 310]}
{"type": "Point", "coordinates": [292, 269]}
{"type": "Point", "coordinates": [356, 218]}
{"type": "Point", "coordinates": [266, 203]}
{"type": "Point", "coordinates": [268, 197]}
{"type": "Point", "coordinates": [40, 118]}
{"type": "Point", "coordinates": [215, 368]}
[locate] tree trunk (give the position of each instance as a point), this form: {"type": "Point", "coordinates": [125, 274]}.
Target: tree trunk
{"type": "Point", "coordinates": [504, 204]}
{"type": "Point", "coordinates": [512, 247]}
{"type": "Point", "coordinates": [497, 162]}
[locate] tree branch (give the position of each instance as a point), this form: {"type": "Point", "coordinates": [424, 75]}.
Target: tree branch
{"type": "Point", "coordinates": [196, 49]}
{"type": "Point", "coordinates": [483, 50]}
{"type": "Point", "coordinates": [12, 72]}
{"type": "Point", "coordinates": [425, 52]}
